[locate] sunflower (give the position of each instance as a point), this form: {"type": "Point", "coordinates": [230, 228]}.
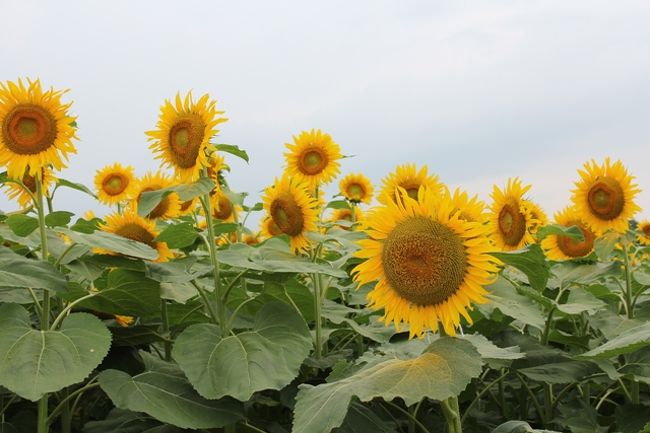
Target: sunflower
{"type": "Point", "coordinates": [114, 183]}
{"type": "Point", "coordinates": [223, 208]}
{"type": "Point", "coordinates": [430, 264]}
{"type": "Point", "coordinates": [182, 140]}
{"type": "Point", "coordinates": [313, 158]}
{"type": "Point", "coordinates": [408, 177]}
{"type": "Point", "coordinates": [292, 209]}
{"type": "Point", "coordinates": [269, 228]}
{"type": "Point", "coordinates": [356, 188]}
{"type": "Point", "coordinates": [470, 209]}
{"type": "Point", "coordinates": [35, 129]}
{"type": "Point", "coordinates": [644, 232]}
{"type": "Point", "coordinates": [131, 226]}
{"type": "Point", "coordinates": [89, 215]}
{"type": "Point", "coordinates": [537, 215]}
{"type": "Point", "coordinates": [560, 247]}
{"type": "Point", "coordinates": [124, 321]}
{"type": "Point", "coordinates": [511, 221]}
{"type": "Point", "coordinates": [216, 164]}
{"type": "Point", "coordinates": [169, 206]}
{"type": "Point", "coordinates": [188, 207]}
{"type": "Point", "coordinates": [605, 196]}
{"type": "Point", "coordinates": [18, 193]}
{"type": "Point", "coordinates": [345, 214]}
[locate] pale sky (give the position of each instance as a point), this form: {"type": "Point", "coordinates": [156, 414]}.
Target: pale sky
{"type": "Point", "coordinates": [478, 91]}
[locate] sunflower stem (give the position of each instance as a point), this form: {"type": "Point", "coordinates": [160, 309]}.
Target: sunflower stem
{"type": "Point", "coordinates": [450, 412]}
{"type": "Point", "coordinates": [317, 315]}
{"type": "Point", "coordinates": [212, 247]}
{"type": "Point", "coordinates": [164, 315]}
{"type": "Point", "coordinates": [629, 303]}
{"type": "Point", "coordinates": [45, 306]}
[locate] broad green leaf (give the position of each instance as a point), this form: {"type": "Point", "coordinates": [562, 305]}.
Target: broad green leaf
{"type": "Point", "coordinates": [121, 421]}
{"type": "Point", "coordinates": [224, 228]}
{"type": "Point", "coordinates": [266, 357]}
{"type": "Point", "coordinates": [442, 371]}
{"type": "Point", "coordinates": [361, 419]}
{"type": "Point", "coordinates": [38, 362]}
{"type": "Point", "coordinates": [519, 427]}
{"type": "Point", "coordinates": [178, 235]}
{"type": "Point", "coordinates": [150, 199]}
{"type": "Point", "coordinates": [581, 301]}
{"type": "Point", "coordinates": [75, 186]}
{"type": "Point", "coordinates": [19, 271]}
{"type": "Point", "coordinates": [58, 219]}
{"type": "Point", "coordinates": [642, 277]}
{"type": "Point", "coordinates": [165, 394]}
{"type": "Point", "coordinates": [127, 293]}
{"type": "Point", "coordinates": [565, 274]}
{"type": "Point", "coordinates": [559, 372]}
{"type": "Point", "coordinates": [503, 297]}
{"type": "Point", "coordinates": [233, 150]}
{"type": "Point", "coordinates": [112, 242]}
{"type": "Point", "coordinates": [177, 271]}
{"type": "Point", "coordinates": [531, 262]}
{"type": "Point", "coordinates": [338, 204]}
{"type": "Point", "coordinates": [632, 418]}
{"type": "Point", "coordinates": [629, 341]}
{"type": "Point", "coordinates": [492, 354]}
{"type": "Point", "coordinates": [22, 225]}
{"type": "Point", "coordinates": [18, 295]}
{"type": "Point", "coordinates": [572, 232]}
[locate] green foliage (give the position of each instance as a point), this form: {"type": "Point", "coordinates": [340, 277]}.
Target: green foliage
{"type": "Point", "coordinates": [18, 271]}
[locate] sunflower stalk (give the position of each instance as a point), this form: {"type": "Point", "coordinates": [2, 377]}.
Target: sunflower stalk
{"type": "Point", "coordinates": [629, 303]}
{"type": "Point", "coordinates": [450, 410]}
{"type": "Point", "coordinates": [164, 315]}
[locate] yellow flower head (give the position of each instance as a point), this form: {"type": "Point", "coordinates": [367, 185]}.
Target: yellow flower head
{"type": "Point", "coordinates": [124, 321]}
{"type": "Point", "coordinates": [356, 188]}
{"type": "Point", "coordinates": [114, 184]}
{"type": "Point", "coordinates": [560, 247]}
{"type": "Point", "coordinates": [469, 208]}
{"type": "Point", "coordinates": [182, 140]}
{"type": "Point", "coordinates": [511, 222]}
{"type": "Point", "coordinates": [430, 265]}
{"type": "Point", "coordinates": [411, 179]}
{"type": "Point", "coordinates": [129, 225]}
{"type": "Point", "coordinates": [644, 232]}
{"type": "Point", "coordinates": [268, 228]}
{"type": "Point", "coordinates": [604, 196]}
{"type": "Point", "coordinates": [216, 163]}
{"type": "Point", "coordinates": [169, 206]}
{"type": "Point", "coordinates": [188, 207]}
{"type": "Point", "coordinates": [35, 129]}
{"type": "Point", "coordinates": [17, 192]}
{"type": "Point", "coordinates": [292, 209]}
{"type": "Point", "coordinates": [313, 158]}
{"type": "Point", "coordinates": [89, 215]}
{"type": "Point", "coordinates": [223, 209]}
{"type": "Point", "coordinates": [537, 214]}
{"type": "Point", "coordinates": [345, 214]}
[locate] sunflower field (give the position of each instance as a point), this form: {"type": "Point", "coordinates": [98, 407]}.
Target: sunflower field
{"type": "Point", "coordinates": [406, 308]}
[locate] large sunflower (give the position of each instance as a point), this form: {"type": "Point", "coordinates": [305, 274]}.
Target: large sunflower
{"type": "Point", "coordinates": [35, 129]}
{"type": "Point", "coordinates": [130, 225]}
{"type": "Point", "coordinates": [292, 209]}
{"type": "Point", "coordinates": [469, 208]}
{"type": "Point", "coordinates": [511, 221]}
{"type": "Point", "coordinates": [430, 264]}
{"type": "Point", "coordinates": [313, 157]}
{"type": "Point", "coordinates": [114, 183]}
{"type": "Point", "coordinates": [356, 188]}
{"type": "Point", "coordinates": [644, 232]}
{"type": "Point", "coordinates": [604, 196]}
{"type": "Point", "coordinates": [18, 193]}
{"type": "Point", "coordinates": [560, 247]}
{"type": "Point", "coordinates": [223, 209]}
{"type": "Point", "coordinates": [407, 176]}
{"type": "Point", "coordinates": [182, 140]}
{"type": "Point", "coordinates": [169, 206]}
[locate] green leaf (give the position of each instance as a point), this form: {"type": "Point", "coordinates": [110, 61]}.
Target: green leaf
{"type": "Point", "coordinates": [558, 372]}
{"type": "Point", "coordinates": [632, 418]}
{"type": "Point", "coordinates": [338, 204]}
{"type": "Point", "coordinates": [361, 419]}
{"type": "Point", "coordinates": [266, 357]}
{"type": "Point", "coordinates": [503, 297]}
{"type": "Point", "coordinates": [150, 199]}
{"type": "Point", "coordinates": [223, 228]}
{"type": "Point", "coordinates": [121, 421]}
{"type": "Point", "coordinates": [233, 150]}
{"type": "Point", "coordinates": [581, 301]}
{"type": "Point", "coordinates": [519, 427]}
{"type": "Point", "coordinates": [178, 235]}
{"type": "Point", "coordinates": [442, 371]}
{"type": "Point", "coordinates": [39, 362]}
{"type": "Point", "coordinates": [629, 341]}
{"type": "Point", "coordinates": [76, 186]}
{"type": "Point", "coordinates": [642, 277]}
{"type": "Point", "coordinates": [19, 271]}
{"type": "Point", "coordinates": [112, 242]}
{"type": "Point", "coordinates": [162, 392]}
{"type": "Point", "coordinates": [493, 355]}
{"type": "Point", "coordinates": [531, 262]}
{"type": "Point", "coordinates": [58, 219]}
{"type": "Point", "coordinates": [572, 232]}
{"type": "Point", "coordinates": [127, 293]}
{"type": "Point", "coordinates": [22, 225]}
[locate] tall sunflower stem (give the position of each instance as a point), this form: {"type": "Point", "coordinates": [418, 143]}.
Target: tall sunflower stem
{"type": "Point", "coordinates": [42, 424]}
{"type": "Point", "coordinates": [629, 304]}
{"type": "Point", "coordinates": [450, 410]}
{"type": "Point", "coordinates": [212, 247]}
{"type": "Point", "coordinates": [317, 315]}
{"type": "Point", "coordinates": [164, 315]}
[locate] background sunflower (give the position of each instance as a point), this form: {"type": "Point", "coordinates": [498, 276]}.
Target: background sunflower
{"type": "Point", "coordinates": [559, 247]}
{"type": "Point", "coordinates": [18, 193]}
{"type": "Point", "coordinates": [169, 206]}
{"type": "Point", "coordinates": [356, 188]}
{"type": "Point", "coordinates": [313, 158]}
{"type": "Point", "coordinates": [511, 221]}
{"type": "Point", "coordinates": [114, 183]}
{"type": "Point", "coordinates": [130, 225]}
{"type": "Point", "coordinates": [408, 177]}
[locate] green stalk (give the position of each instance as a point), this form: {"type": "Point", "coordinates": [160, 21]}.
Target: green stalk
{"type": "Point", "coordinates": [165, 329]}
{"type": "Point", "coordinates": [629, 302]}
{"type": "Point", "coordinates": [317, 315]}
{"type": "Point", "coordinates": [548, 388]}
{"type": "Point", "coordinates": [45, 313]}
{"type": "Point", "coordinates": [451, 414]}
{"type": "Point", "coordinates": [212, 248]}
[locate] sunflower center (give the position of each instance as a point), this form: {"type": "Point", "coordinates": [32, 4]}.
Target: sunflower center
{"type": "Point", "coordinates": [356, 192]}
{"type": "Point", "coordinates": [606, 198]}
{"type": "Point", "coordinates": [185, 139]}
{"type": "Point", "coordinates": [162, 207]}
{"type": "Point", "coordinates": [223, 210]}
{"type": "Point", "coordinates": [137, 233]}
{"type": "Point", "coordinates": [574, 247]}
{"type": "Point", "coordinates": [28, 129]}
{"type": "Point", "coordinates": [424, 261]}
{"type": "Point", "coordinates": [287, 215]}
{"type": "Point", "coordinates": [313, 161]}
{"type": "Point", "coordinates": [186, 205]}
{"type": "Point", "coordinates": [273, 228]}
{"type": "Point", "coordinates": [512, 225]}
{"type": "Point", "coordinates": [646, 229]}
{"type": "Point", "coordinates": [115, 184]}
{"type": "Point", "coordinates": [29, 181]}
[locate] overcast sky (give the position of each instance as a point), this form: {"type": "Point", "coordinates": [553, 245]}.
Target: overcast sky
{"type": "Point", "coordinates": [479, 91]}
